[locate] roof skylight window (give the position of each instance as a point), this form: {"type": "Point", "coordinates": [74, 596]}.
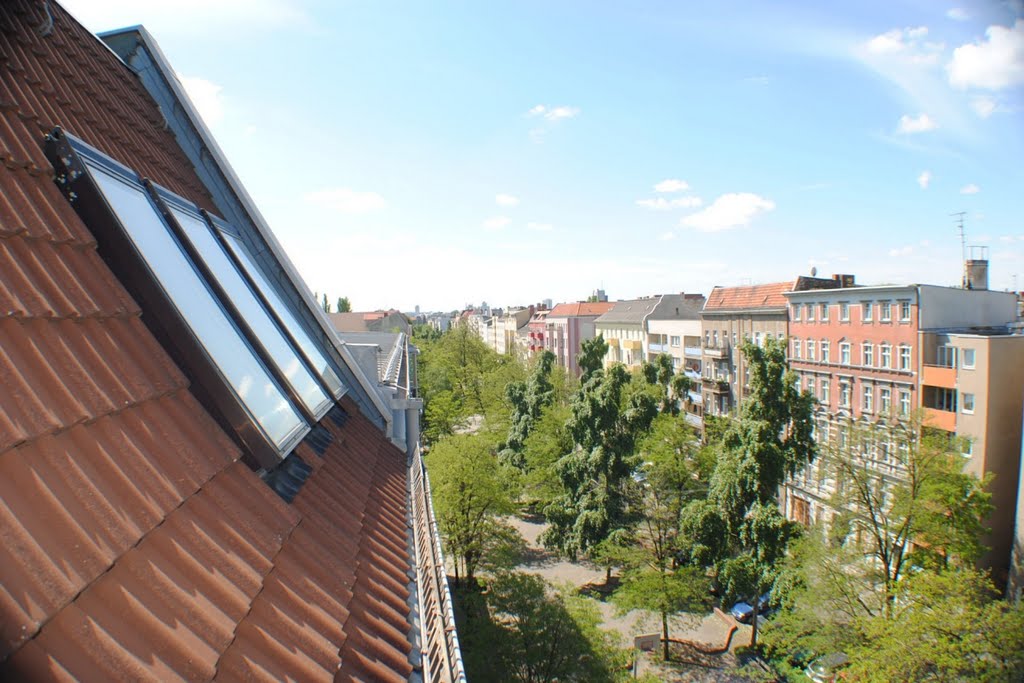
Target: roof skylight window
{"type": "Point", "coordinates": [265, 331]}
{"type": "Point", "coordinates": [179, 305]}
{"type": "Point", "coordinates": [284, 313]}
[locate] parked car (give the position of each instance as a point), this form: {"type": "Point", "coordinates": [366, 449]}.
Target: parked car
{"type": "Point", "coordinates": [742, 611]}
{"type": "Point", "coordinates": [823, 669]}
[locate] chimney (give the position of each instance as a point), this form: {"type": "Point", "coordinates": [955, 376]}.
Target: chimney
{"type": "Point", "coordinates": [976, 269]}
{"type": "Point", "coordinates": [844, 280]}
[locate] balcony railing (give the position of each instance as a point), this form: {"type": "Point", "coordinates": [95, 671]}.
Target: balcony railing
{"type": "Point", "coordinates": [658, 348]}
{"type": "Point", "coordinates": [940, 419]}
{"type": "Point", "coordinates": [693, 351]}
{"type": "Point", "coordinates": [439, 642]}
{"type": "Point", "coordinates": [939, 376]}
{"type": "Point", "coordinates": [716, 351]}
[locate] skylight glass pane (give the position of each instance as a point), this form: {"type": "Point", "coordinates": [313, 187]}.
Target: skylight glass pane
{"type": "Point", "coordinates": [256, 317]}
{"type": "Point", "coordinates": [207, 320]}
{"type": "Point", "coordinates": [285, 314]}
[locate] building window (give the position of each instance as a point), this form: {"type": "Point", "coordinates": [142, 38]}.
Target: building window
{"type": "Point", "coordinates": [810, 349]}
{"type": "Point", "coordinates": [885, 401]}
{"type": "Point", "coordinates": [945, 399]}
{"type": "Point", "coordinates": [824, 351]}
{"type": "Point", "coordinates": [757, 338]}
{"type": "Point", "coordinates": [714, 338]}
{"type": "Point", "coordinates": [797, 349]}
{"type": "Point", "coordinates": [824, 312]}
{"type": "Point", "coordinates": [886, 313]}
{"type": "Point", "coordinates": [945, 356]}
{"type": "Point", "coordinates": [844, 393]}
{"type": "Point", "coordinates": [844, 353]}
{"type": "Point", "coordinates": [675, 341]}
{"type": "Point", "coordinates": [868, 349]}
{"type": "Point", "coordinates": [796, 311]}
{"type": "Point", "coordinates": [810, 385]}
{"type": "Point", "coordinates": [886, 356]}
{"type": "Point", "coordinates": [868, 393]}
{"type": "Point", "coordinates": [734, 339]}
{"type": "Point", "coordinates": [967, 403]}
{"type": "Point", "coordinates": [968, 450]}
{"type": "Point", "coordinates": [825, 382]}
{"type": "Point", "coordinates": [904, 357]}
{"type": "Point", "coordinates": [844, 312]}
{"type": "Point", "coordinates": [905, 311]}
{"type": "Point", "coordinates": [796, 384]}
{"type": "Point", "coordinates": [904, 403]}
{"type": "Point", "coordinates": [867, 311]}
{"type": "Point", "coordinates": [809, 312]}
{"type": "Point", "coordinates": [967, 359]}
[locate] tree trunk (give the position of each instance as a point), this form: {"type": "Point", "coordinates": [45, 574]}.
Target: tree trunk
{"type": "Point", "coordinates": [753, 621]}
{"type": "Point", "coordinates": [607, 575]}
{"type": "Point", "coordinates": [664, 634]}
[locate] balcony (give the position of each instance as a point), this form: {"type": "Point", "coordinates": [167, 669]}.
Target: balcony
{"type": "Point", "coordinates": [940, 419]}
{"type": "Point", "coordinates": [716, 351]}
{"type": "Point", "coordinates": [692, 351]}
{"type": "Point", "coordinates": [693, 375]}
{"type": "Point", "coordinates": [718, 386]}
{"type": "Point", "coordinates": [939, 376]}
{"type": "Point", "coordinates": [658, 348]}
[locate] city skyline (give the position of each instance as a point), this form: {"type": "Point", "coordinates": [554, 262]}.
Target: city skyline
{"type": "Point", "coordinates": [515, 154]}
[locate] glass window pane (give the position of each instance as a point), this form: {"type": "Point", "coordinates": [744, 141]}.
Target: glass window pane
{"type": "Point", "coordinates": [256, 317]}
{"type": "Point", "coordinates": [196, 304]}
{"type": "Point", "coordinates": [284, 313]}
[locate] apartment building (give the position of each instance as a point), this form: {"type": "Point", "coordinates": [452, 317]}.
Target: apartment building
{"type": "Point", "coordinates": [875, 355]}
{"type": "Point", "coordinates": [626, 326]}
{"type": "Point", "coordinates": [735, 314]}
{"type": "Point", "coordinates": [537, 331]}
{"type": "Point", "coordinates": [567, 326]}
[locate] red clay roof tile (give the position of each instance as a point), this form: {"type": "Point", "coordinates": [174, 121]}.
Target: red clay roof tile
{"type": "Point", "coordinates": [747, 297]}
{"type": "Point", "coordinates": [142, 548]}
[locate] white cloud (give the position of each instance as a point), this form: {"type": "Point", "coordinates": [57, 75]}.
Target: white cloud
{"type": "Point", "coordinates": [346, 200]}
{"type": "Point", "coordinates": [729, 211]}
{"type": "Point", "coordinates": [918, 124]}
{"type": "Point", "coordinates": [901, 251]}
{"type": "Point", "coordinates": [991, 64]}
{"type": "Point", "coordinates": [672, 185]}
{"type": "Point", "coordinates": [662, 204]}
{"type": "Point", "coordinates": [970, 189]}
{"type": "Point", "coordinates": [496, 222]}
{"type": "Point", "coordinates": [206, 96]}
{"type": "Point", "coordinates": [558, 113]}
{"type": "Point", "coordinates": [958, 14]}
{"type": "Point", "coordinates": [983, 106]}
{"type": "Point", "coordinates": [506, 200]}
{"type": "Point", "coordinates": [924, 179]}
{"type": "Point", "coordinates": [667, 236]}
{"type": "Point", "coordinates": [908, 44]}
{"type": "Point", "coordinates": [540, 227]}
{"type": "Point", "coordinates": [554, 113]}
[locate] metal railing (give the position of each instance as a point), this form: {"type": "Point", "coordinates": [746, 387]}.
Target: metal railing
{"type": "Point", "coordinates": [439, 641]}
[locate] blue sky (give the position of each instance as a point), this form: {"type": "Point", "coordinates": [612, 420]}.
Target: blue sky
{"type": "Point", "coordinates": [440, 153]}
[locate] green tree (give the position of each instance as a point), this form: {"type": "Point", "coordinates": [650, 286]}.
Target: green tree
{"type": "Point", "coordinates": [591, 357]}
{"type": "Point", "coordinates": [546, 636]}
{"type": "Point", "coordinates": [769, 440]}
{"type": "Point", "coordinates": [528, 399]}
{"type": "Point", "coordinates": [670, 476]}
{"type": "Point", "coordinates": [595, 476]}
{"type": "Point", "coordinates": [673, 387]}
{"type": "Point", "coordinates": [344, 305]}
{"type": "Point", "coordinates": [470, 495]}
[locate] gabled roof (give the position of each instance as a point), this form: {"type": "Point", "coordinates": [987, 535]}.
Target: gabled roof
{"type": "Point", "coordinates": [748, 297]}
{"type": "Point", "coordinates": [581, 308]}
{"type": "Point", "coordinates": [658, 307]}
{"type": "Point", "coordinates": [140, 545]}
{"type": "Point", "coordinates": [768, 296]}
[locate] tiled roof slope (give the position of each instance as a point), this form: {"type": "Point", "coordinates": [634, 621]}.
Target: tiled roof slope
{"type": "Point", "coordinates": [752, 297]}
{"type": "Point", "coordinates": [749, 296]}
{"type": "Point", "coordinates": [581, 308]}
{"type": "Point", "coordinates": [137, 545]}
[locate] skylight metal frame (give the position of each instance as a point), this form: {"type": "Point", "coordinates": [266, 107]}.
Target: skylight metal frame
{"type": "Point", "coordinates": [118, 249]}
{"type": "Point", "coordinates": [168, 202]}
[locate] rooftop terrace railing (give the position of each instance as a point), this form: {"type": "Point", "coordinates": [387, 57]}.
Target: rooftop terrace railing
{"type": "Point", "coordinates": [442, 658]}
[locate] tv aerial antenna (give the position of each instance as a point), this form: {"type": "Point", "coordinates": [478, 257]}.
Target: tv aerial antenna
{"type": "Point", "coordinates": [963, 237]}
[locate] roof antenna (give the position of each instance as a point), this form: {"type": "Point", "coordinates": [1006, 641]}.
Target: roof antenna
{"type": "Point", "coordinates": [963, 242]}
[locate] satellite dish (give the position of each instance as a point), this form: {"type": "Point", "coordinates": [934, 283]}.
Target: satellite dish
{"type": "Point", "coordinates": [814, 271]}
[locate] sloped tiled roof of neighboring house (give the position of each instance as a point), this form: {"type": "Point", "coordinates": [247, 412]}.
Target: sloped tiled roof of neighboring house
{"type": "Point", "coordinates": [766, 296]}
{"type": "Point", "coordinates": [659, 307]}
{"type": "Point", "coordinates": [349, 322]}
{"type": "Point", "coordinates": [139, 545]}
{"type": "Point", "coordinates": [580, 309]}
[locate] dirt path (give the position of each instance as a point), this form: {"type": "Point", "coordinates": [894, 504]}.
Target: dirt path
{"type": "Point", "coordinates": [707, 629]}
